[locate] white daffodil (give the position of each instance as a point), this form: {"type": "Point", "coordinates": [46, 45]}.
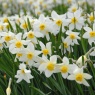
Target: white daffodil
{"type": "Point", "coordinates": [66, 46]}
{"type": "Point", "coordinates": [59, 20]}
{"type": "Point", "coordinates": [2, 26]}
{"type": "Point", "coordinates": [46, 50]}
{"type": "Point", "coordinates": [79, 76]}
{"type": "Point", "coordinates": [42, 26]}
{"type": "Point", "coordinates": [48, 66]}
{"type": "Point", "coordinates": [91, 17]}
{"type": "Point", "coordinates": [64, 67]}
{"type": "Point", "coordinates": [90, 34]}
{"type": "Point", "coordinates": [73, 7]}
{"type": "Point", "coordinates": [30, 36]}
{"type": "Point", "coordinates": [7, 37]}
{"type": "Point", "coordinates": [29, 55]}
{"type": "Point", "coordinates": [17, 44]}
{"type": "Point", "coordinates": [24, 24]}
{"type": "Point", "coordinates": [76, 20]}
{"type": "Point", "coordinates": [23, 74]}
{"type": "Point", "coordinates": [72, 37]}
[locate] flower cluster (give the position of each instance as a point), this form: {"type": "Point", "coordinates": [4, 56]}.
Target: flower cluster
{"type": "Point", "coordinates": [44, 43]}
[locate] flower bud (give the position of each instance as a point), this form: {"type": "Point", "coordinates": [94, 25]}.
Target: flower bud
{"type": "Point", "coordinates": [81, 61]}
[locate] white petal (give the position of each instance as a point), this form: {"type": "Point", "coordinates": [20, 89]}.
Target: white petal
{"type": "Point", "coordinates": [48, 73]}
{"type": "Point", "coordinates": [53, 58]}
{"type": "Point", "coordinates": [42, 45]}
{"type": "Point", "coordinates": [38, 34]}
{"type": "Point", "coordinates": [86, 35]}
{"type": "Point", "coordinates": [94, 27]}
{"type": "Point", "coordinates": [22, 66]}
{"type": "Point", "coordinates": [54, 15]}
{"type": "Point", "coordinates": [71, 26]}
{"type": "Point", "coordinates": [71, 77]}
{"type": "Point", "coordinates": [70, 15]}
{"type": "Point", "coordinates": [65, 60]}
{"type": "Point", "coordinates": [64, 75]}
{"type": "Point", "coordinates": [19, 80]}
{"type": "Point", "coordinates": [85, 83]}
{"type": "Point", "coordinates": [88, 29]}
{"type": "Point", "coordinates": [87, 76]}
{"type": "Point", "coordinates": [30, 47]}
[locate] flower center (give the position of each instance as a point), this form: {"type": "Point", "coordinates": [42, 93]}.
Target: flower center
{"type": "Point", "coordinates": [30, 55]}
{"type": "Point", "coordinates": [59, 22]}
{"type": "Point", "coordinates": [50, 66]}
{"type": "Point", "coordinates": [24, 25]}
{"type": "Point", "coordinates": [42, 26]}
{"type": "Point", "coordinates": [74, 20]}
{"type": "Point", "coordinates": [1, 44]}
{"type": "Point", "coordinates": [5, 20]}
{"type": "Point", "coordinates": [91, 18]}
{"type": "Point", "coordinates": [18, 44]}
{"type": "Point", "coordinates": [1, 27]}
{"type": "Point", "coordinates": [22, 71]}
{"type": "Point", "coordinates": [45, 51]}
{"type": "Point", "coordinates": [30, 35]}
{"type": "Point", "coordinates": [74, 9]}
{"type": "Point", "coordinates": [7, 38]}
{"type": "Point", "coordinates": [92, 34]}
{"type": "Point", "coordinates": [19, 54]}
{"type": "Point", "coordinates": [64, 69]}
{"type": "Point", "coordinates": [72, 36]}
{"type": "Point", "coordinates": [69, 1]}
{"type": "Point", "coordinates": [79, 77]}
{"type": "Point", "coordinates": [65, 45]}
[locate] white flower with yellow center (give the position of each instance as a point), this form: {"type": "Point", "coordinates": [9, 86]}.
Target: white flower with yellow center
{"type": "Point", "coordinates": [7, 37]}
{"type": "Point", "coordinates": [66, 46]}
{"type": "Point", "coordinates": [72, 37]}
{"type": "Point", "coordinates": [89, 34]}
{"type": "Point", "coordinates": [79, 76]}
{"type": "Point", "coordinates": [2, 26]}
{"type": "Point", "coordinates": [91, 17]}
{"type": "Point", "coordinates": [59, 20]}
{"type": "Point", "coordinates": [29, 55]}
{"type": "Point", "coordinates": [76, 20]}
{"type": "Point", "coordinates": [23, 74]}
{"type": "Point", "coordinates": [30, 36]}
{"type": "Point", "coordinates": [48, 66]}
{"type": "Point", "coordinates": [46, 50]}
{"type": "Point", "coordinates": [43, 26]}
{"type": "Point", "coordinates": [17, 44]}
{"type": "Point", "coordinates": [73, 7]}
{"type": "Point", "coordinates": [64, 67]}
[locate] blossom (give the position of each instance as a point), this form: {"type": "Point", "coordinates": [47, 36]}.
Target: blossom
{"type": "Point", "coordinates": [48, 66]}
{"type": "Point", "coordinates": [17, 44]}
{"type": "Point", "coordinates": [43, 26]}
{"type": "Point", "coordinates": [29, 54]}
{"type": "Point", "coordinates": [7, 37]}
{"type": "Point", "coordinates": [31, 36]}
{"type": "Point", "coordinates": [91, 17]}
{"type": "Point", "coordinates": [89, 34]}
{"type": "Point", "coordinates": [72, 37]}
{"type": "Point", "coordinates": [76, 20]}
{"type": "Point", "coordinates": [59, 20]}
{"type": "Point", "coordinates": [23, 74]}
{"type": "Point", "coordinates": [46, 50]}
{"type": "Point", "coordinates": [64, 67]}
{"type": "Point", "coordinates": [79, 76]}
